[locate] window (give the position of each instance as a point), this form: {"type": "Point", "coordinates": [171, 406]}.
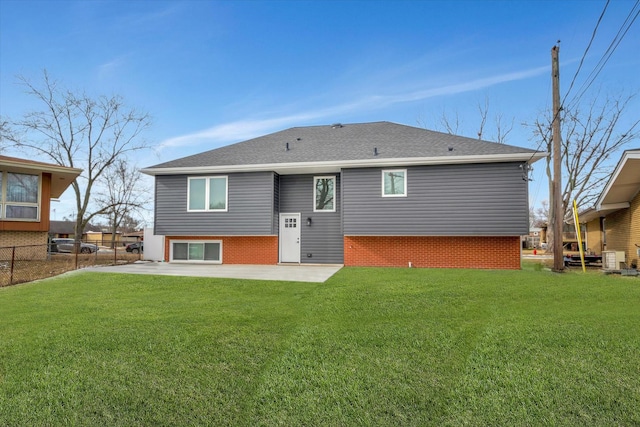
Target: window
{"type": "Point", "coordinates": [394, 183]}
{"type": "Point", "coordinates": [207, 194]}
{"type": "Point", "coordinates": [19, 196]}
{"type": "Point", "coordinates": [324, 193]}
{"type": "Point", "coordinates": [202, 251]}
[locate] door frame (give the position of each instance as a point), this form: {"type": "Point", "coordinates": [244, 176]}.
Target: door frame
{"type": "Point", "coordinates": [281, 241]}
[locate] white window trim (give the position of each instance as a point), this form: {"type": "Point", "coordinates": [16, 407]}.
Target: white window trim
{"type": "Point", "coordinates": [190, 261]}
{"type": "Point", "coordinates": [206, 193]}
{"type": "Point", "coordinates": [405, 182]}
{"type": "Point", "coordinates": [315, 179]}
{"type": "Point", "coordinates": [3, 202]}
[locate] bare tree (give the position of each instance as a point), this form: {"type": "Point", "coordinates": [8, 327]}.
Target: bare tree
{"type": "Point", "coordinates": [452, 124]}
{"type": "Point", "coordinates": [538, 217]}
{"type": "Point", "coordinates": [130, 224]}
{"type": "Point", "coordinates": [76, 130]}
{"type": "Point", "coordinates": [542, 214]}
{"type": "Point", "coordinates": [7, 135]}
{"type": "Point", "coordinates": [483, 111]}
{"type": "Point", "coordinates": [590, 137]}
{"type": "Point", "coordinates": [503, 128]}
{"type": "Point", "coordinates": [122, 195]}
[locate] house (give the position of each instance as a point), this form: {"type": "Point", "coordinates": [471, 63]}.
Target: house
{"type": "Point", "coordinates": [613, 224]}
{"type": "Point", "coordinates": [369, 194]}
{"type": "Point", "coordinates": [67, 229]}
{"type": "Point", "coordinates": [569, 236]}
{"type": "Point", "coordinates": [532, 240]}
{"type": "Point", "coordinates": [26, 189]}
{"type": "Point", "coordinates": [62, 229]}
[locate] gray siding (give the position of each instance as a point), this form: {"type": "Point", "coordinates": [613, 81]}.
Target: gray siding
{"type": "Point", "coordinates": [275, 226]}
{"type": "Point", "coordinates": [250, 207]}
{"type": "Point", "coordinates": [323, 239]}
{"type": "Point", "coordinates": [442, 200]}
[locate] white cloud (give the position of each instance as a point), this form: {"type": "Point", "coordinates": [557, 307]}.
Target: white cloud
{"type": "Point", "coordinates": [106, 69]}
{"type": "Point", "coordinates": [246, 129]}
{"type": "Point", "coordinates": [239, 130]}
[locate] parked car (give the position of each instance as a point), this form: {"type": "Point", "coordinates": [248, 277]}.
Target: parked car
{"type": "Point", "coordinates": [135, 248]}
{"type": "Point", "coordinates": [66, 245]}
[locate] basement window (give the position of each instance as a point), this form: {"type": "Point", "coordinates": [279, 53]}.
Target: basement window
{"type": "Point", "coordinates": [206, 251]}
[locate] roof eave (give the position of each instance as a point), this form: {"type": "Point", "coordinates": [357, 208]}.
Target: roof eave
{"type": "Point", "coordinates": [627, 155]}
{"type": "Point", "coordinates": [61, 176]}
{"type": "Point", "coordinates": [335, 166]}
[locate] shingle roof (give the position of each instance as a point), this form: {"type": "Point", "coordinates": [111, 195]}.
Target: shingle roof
{"type": "Point", "coordinates": [338, 143]}
{"type": "Point", "coordinates": [68, 227]}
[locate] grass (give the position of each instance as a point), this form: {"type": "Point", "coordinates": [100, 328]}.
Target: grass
{"type": "Point", "coordinates": [368, 347]}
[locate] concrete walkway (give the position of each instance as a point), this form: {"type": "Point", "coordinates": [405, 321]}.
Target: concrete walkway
{"type": "Point", "coordinates": [293, 273]}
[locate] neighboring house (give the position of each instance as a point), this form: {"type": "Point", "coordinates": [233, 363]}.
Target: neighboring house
{"type": "Point", "coordinates": [62, 229]}
{"type": "Point", "coordinates": [101, 238]}
{"type": "Point", "coordinates": [133, 236]}
{"type": "Point", "coordinates": [371, 194]}
{"type": "Point", "coordinates": [66, 229]}
{"type": "Point", "coordinates": [613, 224]}
{"type": "Point", "coordinates": [92, 234]}
{"type": "Point", "coordinates": [569, 236]}
{"type": "Point", "coordinates": [532, 240]}
{"type": "Point", "coordinates": [26, 189]}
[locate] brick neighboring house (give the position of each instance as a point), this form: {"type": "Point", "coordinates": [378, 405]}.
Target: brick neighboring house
{"type": "Point", "coordinates": [614, 222]}
{"type": "Point", "coordinates": [26, 189]}
{"type": "Point", "coordinates": [368, 194]}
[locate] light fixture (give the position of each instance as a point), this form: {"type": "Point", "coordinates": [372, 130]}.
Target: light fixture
{"type": "Point", "coordinates": [309, 221]}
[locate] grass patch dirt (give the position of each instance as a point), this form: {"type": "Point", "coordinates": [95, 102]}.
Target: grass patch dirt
{"type": "Point", "coordinates": [370, 346]}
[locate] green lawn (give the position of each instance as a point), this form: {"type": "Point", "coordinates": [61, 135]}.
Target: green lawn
{"type": "Point", "coordinates": [368, 347]}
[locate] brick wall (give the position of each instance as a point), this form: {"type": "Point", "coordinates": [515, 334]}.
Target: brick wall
{"type": "Point", "coordinates": [22, 238]}
{"type": "Point", "coordinates": [623, 231]}
{"type": "Point", "coordinates": [594, 236]}
{"type": "Point", "coordinates": [35, 242]}
{"type": "Point", "coordinates": [634, 231]}
{"type": "Point", "coordinates": [433, 251]}
{"type": "Point", "coordinates": [617, 227]}
{"type": "Point", "coordinates": [238, 249]}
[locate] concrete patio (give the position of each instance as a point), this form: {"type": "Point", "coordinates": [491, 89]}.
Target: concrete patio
{"type": "Point", "coordinates": [293, 273]}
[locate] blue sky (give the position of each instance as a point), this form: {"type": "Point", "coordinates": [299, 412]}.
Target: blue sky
{"type": "Point", "coordinates": [217, 72]}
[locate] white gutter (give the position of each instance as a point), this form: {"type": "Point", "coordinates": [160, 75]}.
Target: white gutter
{"type": "Point", "coordinates": [38, 166]}
{"type": "Point", "coordinates": [613, 206]}
{"type": "Point", "coordinates": [300, 167]}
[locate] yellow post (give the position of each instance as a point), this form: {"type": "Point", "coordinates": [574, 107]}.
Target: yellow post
{"type": "Point", "coordinates": [577, 225]}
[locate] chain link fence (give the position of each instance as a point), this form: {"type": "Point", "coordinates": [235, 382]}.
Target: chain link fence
{"type": "Point", "coordinates": [20, 264]}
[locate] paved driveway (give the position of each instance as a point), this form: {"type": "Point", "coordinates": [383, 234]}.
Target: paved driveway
{"type": "Point", "coordinates": [294, 273]}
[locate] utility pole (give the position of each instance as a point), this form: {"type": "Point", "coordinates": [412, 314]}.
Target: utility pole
{"type": "Point", "coordinates": [558, 212]}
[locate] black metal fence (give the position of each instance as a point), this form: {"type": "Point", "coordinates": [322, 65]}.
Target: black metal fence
{"type": "Point", "coordinates": [19, 264]}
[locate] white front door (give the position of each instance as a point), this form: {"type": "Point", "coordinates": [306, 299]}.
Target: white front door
{"type": "Point", "coordinates": [290, 237]}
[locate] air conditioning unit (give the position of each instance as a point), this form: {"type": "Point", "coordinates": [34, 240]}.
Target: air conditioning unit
{"type": "Point", "coordinates": [613, 260]}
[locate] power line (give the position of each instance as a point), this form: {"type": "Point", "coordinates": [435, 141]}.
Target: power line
{"type": "Point", "coordinates": [584, 55]}
{"type": "Point", "coordinates": [624, 28]}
